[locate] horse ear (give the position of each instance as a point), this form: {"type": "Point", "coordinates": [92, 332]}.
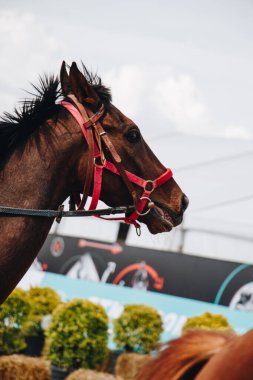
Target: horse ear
{"type": "Point", "coordinates": [64, 77]}
{"type": "Point", "coordinates": [81, 88]}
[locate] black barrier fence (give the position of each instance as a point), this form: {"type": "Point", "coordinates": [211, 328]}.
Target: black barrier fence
{"type": "Point", "coordinates": [215, 281]}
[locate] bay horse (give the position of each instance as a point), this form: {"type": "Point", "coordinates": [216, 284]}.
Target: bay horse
{"type": "Point", "coordinates": [52, 147]}
{"type": "Point", "coordinates": [203, 355]}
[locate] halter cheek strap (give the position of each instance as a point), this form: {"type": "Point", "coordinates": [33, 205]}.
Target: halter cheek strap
{"type": "Point", "coordinates": [89, 122]}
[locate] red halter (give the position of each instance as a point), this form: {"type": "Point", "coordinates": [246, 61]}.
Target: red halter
{"type": "Point", "coordinates": [98, 163]}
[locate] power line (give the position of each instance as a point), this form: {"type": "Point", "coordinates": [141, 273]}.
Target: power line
{"type": "Point", "coordinates": [215, 161]}
{"type": "Point", "coordinates": [224, 203]}
{"type": "Point", "coordinates": [219, 233]}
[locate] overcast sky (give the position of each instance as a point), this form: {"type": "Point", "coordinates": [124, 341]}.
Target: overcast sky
{"type": "Point", "coordinates": [173, 66]}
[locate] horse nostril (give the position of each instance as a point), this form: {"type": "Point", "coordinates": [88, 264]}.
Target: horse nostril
{"type": "Point", "coordinates": [184, 202]}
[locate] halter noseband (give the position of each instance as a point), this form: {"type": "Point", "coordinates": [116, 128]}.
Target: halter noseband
{"type": "Point", "coordinates": [94, 135]}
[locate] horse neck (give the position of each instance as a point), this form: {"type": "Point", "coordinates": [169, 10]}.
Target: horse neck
{"type": "Point", "coordinates": [41, 178]}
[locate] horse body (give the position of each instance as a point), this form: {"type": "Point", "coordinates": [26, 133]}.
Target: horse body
{"type": "Point", "coordinates": [44, 158]}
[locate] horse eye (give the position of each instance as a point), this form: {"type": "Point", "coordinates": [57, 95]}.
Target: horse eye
{"type": "Point", "coordinates": [133, 136]}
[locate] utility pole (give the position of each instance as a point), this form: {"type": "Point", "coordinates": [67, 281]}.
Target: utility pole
{"type": "Point", "coordinates": [182, 232]}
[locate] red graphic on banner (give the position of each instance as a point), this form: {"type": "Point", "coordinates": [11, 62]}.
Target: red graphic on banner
{"type": "Point", "coordinates": [158, 281]}
{"type": "Point", "coordinates": [115, 249]}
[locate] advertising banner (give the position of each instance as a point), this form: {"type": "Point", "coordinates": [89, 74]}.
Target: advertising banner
{"type": "Point", "coordinates": [188, 276]}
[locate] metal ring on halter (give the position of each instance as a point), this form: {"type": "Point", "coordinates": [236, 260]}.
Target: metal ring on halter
{"type": "Point", "coordinates": [146, 212]}
{"type": "Point", "coordinates": [102, 162]}
{"type": "Point", "coordinates": [147, 184]}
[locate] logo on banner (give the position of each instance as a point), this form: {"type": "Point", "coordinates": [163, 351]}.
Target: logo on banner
{"type": "Point", "coordinates": [243, 298]}
{"type": "Point", "coordinates": [57, 246]}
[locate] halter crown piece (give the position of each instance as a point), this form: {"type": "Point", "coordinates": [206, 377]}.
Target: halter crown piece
{"type": "Point", "coordinates": [95, 137]}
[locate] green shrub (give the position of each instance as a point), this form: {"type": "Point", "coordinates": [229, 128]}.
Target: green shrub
{"type": "Point", "coordinates": [77, 335]}
{"type": "Point", "coordinates": [207, 321]}
{"type": "Point", "coordinates": [13, 314]}
{"type": "Point", "coordinates": [138, 328]}
{"type": "Point", "coordinates": [42, 302]}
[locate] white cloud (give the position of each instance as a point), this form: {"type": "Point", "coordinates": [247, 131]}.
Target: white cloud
{"type": "Point", "coordinates": [27, 48]}
{"type": "Point", "coordinates": [159, 98]}
{"type": "Point", "coordinates": [181, 102]}
{"type": "Point", "coordinates": [163, 100]}
{"type": "Point", "coordinates": [24, 33]}
{"type": "Point", "coordinates": [128, 86]}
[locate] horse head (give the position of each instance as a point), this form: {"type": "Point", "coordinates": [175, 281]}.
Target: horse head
{"type": "Point", "coordinates": [166, 201]}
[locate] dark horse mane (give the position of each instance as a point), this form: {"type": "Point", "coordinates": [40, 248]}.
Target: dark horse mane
{"type": "Point", "coordinates": [16, 128]}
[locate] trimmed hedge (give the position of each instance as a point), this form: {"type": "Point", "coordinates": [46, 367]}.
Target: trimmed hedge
{"type": "Point", "coordinates": [13, 315]}
{"type": "Point", "coordinates": [42, 302]}
{"type": "Point", "coordinates": [207, 321]}
{"type": "Point", "coordinates": [77, 335]}
{"type": "Point", "coordinates": [138, 328]}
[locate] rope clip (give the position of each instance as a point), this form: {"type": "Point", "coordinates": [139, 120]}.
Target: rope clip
{"type": "Point", "coordinates": [59, 213]}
